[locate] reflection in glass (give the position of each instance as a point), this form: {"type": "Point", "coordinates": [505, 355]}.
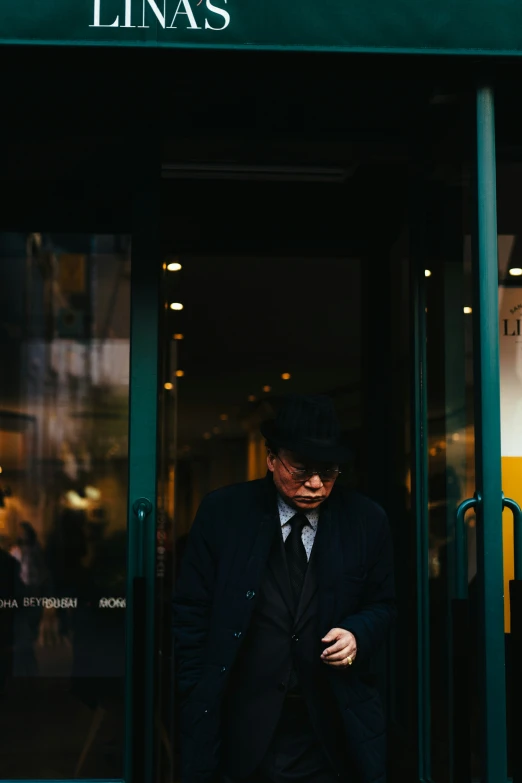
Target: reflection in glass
{"type": "Point", "coordinates": [64, 349]}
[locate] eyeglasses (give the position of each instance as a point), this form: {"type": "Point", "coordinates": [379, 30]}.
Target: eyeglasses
{"type": "Point", "coordinates": [304, 474]}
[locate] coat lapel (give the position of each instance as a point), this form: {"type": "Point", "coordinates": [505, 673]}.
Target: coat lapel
{"type": "Point", "coordinates": [279, 569]}
{"type": "Point", "coordinates": [263, 532]}
{"type": "Point", "coordinates": [257, 536]}
{"type": "Point", "coordinates": [329, 563]}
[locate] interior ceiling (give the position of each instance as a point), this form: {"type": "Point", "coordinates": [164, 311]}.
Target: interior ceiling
{"type": "Point", "coordinates": [248, 320]}
{"type": "Point", "coordinates": [245, 314]}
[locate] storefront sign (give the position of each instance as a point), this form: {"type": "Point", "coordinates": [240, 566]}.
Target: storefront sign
{"type": "Point", "coordinates": [432, 26]}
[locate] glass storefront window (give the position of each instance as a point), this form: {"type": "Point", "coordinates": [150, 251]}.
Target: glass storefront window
{"type": "Point", "coordinates": [452, 443]}
{"type": "Point", "coordinates": [64, 349]}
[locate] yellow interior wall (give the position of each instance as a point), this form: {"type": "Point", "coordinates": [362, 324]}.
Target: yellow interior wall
{"type": "Point", "coordinates": [512, 486]}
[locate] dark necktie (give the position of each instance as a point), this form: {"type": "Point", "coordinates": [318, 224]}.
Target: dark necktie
{"type": "Point", "coordinates": [296, 556]}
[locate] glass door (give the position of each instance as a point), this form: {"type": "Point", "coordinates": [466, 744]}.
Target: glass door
{"type": "Point", "coordinates": [464, 555]}
{"type": "Point", "coordinates": [77, 500]}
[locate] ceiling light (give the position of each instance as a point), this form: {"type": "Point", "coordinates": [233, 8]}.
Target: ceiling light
{"type": "Point", "coordinates": [169, 386]}
{"type": "Point", "coordinates": [286, 376]}
{"type": "Point", "coordinates": [174, 266]}
{"type": "Point", "coordinates": [468, 310]}
{"type": "Point", "coordinates": [176, 306]}
{"type": "Point", "coordinates": [207, 435]}
{"type": "Point", "coordinates": [224, 417]}
{"type": "Point", "coordinates": [427, 273]}
{"type": "Point", "coordinates": [267, 389]}
{"type": "Point", "coordinates": [252, 398]}
{"type": "Point", "coordinates": [516, 271]}
{"type": "Point", "coordinates": [178, 336]}
{"type": "Point", "coordinates": [180, 373]}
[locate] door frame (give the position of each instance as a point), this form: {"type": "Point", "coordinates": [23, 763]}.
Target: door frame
{"type": "Point", "coordinates": [142, 492]}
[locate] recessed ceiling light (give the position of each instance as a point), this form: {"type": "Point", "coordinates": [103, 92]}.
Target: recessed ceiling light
{"type": "Point", "coordinates": [516, 271]}
{"type": "Point", "coordinates": [427, 273]}
{"type": "Point", "coordinates": [169, 386]}
{"type": "Point", "coordinates": [252, 397]}
{"type": "Point", "coordinates": [286, 376]}
{"type": "Point", "coordinates": [267, 389]}
{"type": "Point", "coordinates": [178, 336]}
{"type": "Point", "coordinates": [174, 266]}
{"type": "Point", "coordinates": [468, 310]}
{"type": "Point", "coordinates": [224, 417]}
{"type": "Point", "coordinates": [180, 373]}
{"type": "Point", "coordinates": [176, 306]}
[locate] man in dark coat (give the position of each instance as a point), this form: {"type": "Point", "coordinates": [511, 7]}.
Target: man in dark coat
{"type": "Point", "coordinates": [285, 593]}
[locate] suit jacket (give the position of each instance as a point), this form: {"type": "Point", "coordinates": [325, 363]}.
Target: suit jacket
{"type": "Point", "coordinates": [221, 575]}
{"type": "Point", "coordinates": [280, 653]}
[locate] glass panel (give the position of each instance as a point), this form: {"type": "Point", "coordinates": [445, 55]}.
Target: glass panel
{"type": "Point", "coordinates": [450, 445]}
{"type": "Point", "coordinates": [64, 395]}
{"type": "Point", "coordinates": [510, 313]}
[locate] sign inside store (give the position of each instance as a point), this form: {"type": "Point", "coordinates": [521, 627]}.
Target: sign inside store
{"type": "Point", "coordinates": [402, 26]}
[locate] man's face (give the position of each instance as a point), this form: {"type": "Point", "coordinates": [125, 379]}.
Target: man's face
{"type": "Point", "coordinates": [301, 492]}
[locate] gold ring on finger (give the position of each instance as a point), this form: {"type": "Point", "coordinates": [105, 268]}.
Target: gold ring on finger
{"type": "Point", "coordinates": [349, 660]}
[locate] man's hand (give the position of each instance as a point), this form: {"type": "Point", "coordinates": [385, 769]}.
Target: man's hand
{"type": "Point", "coordinates": [342, 653]}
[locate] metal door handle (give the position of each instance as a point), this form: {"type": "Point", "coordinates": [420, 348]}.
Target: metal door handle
{"type": "Point", "coordinates": [142, 508]}
{"type": "Point", "coordinates": [517, 520]}
{"type": "Point", "coordinates": [461, 548]}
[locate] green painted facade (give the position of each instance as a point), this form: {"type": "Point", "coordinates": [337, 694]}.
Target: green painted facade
{"type": "Point", "coordinates": [431, 26]}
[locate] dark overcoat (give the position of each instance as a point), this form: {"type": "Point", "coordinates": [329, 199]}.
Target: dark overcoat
{"type": "Point", "coordinates": [222, 568]}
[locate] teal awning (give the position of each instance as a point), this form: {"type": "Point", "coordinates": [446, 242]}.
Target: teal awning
{"type": "Point", "coordinates": [416, 26]}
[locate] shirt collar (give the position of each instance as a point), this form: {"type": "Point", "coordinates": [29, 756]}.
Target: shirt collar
{"type": "Point", "coordinates": [286, 513]}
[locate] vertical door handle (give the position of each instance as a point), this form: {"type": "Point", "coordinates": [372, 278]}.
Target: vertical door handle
{"type": "Point", "coordinates": [461, 546]}
{"type": "Point", "coordinates": [517, 519]}
{"type": "Point", "coordinates": [142, 508]}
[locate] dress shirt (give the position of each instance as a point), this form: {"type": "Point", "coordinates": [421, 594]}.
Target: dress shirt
{"type": "Point", "coordinates": [286, 513]}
